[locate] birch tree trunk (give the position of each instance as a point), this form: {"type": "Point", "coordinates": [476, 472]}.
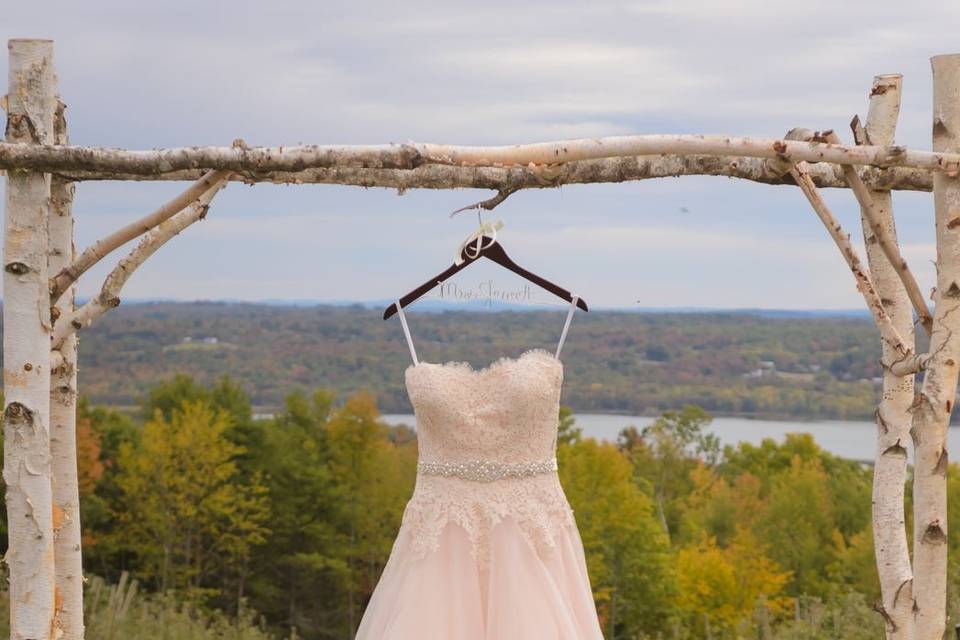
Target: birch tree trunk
{"type": "Point", "coordinates": [934, 404]}
{"type": "Point", "coordinates": [26, 344]}
{"type": "Point", "coordinates": [893, 411]}
{"type": "Point", "coordinates": [63, 416]}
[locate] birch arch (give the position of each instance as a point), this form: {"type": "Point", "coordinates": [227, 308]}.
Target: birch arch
{"type": "Point", "coordinates": [41, 319]}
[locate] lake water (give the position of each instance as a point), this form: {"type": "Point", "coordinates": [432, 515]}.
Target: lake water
{"type": "Point", "coordinates": [849, 439]}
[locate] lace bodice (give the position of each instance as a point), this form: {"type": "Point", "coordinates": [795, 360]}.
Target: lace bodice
{"type": "Point", "coordinates": [506, 414]}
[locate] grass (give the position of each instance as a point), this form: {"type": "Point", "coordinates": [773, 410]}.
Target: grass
{"type": "Point", "coordinates": [121, 612]}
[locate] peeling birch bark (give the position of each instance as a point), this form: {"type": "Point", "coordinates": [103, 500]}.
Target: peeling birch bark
{"type": "Point", "coordinates": [68, 274]}
{"type": "Point", "coordinates": [865, 286]}
{"type": "Point", "coordinates": [56, 159]}
{"type": "Point", "coordinates": [31, 102]}
{"type": "Point", "coordinates": [109, 296]}
{"type": "Point", "coordinates": [934, 403]}
{"type": "Point", "coordinates": [892, 416]}
{"type": "Point", "coordinates": [68, 555]}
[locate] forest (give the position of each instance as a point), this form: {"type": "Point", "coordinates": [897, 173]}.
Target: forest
{"type": "Point", "coordinates": [746, 364]}
{"type": "Point", "coordinates": [203, 522]}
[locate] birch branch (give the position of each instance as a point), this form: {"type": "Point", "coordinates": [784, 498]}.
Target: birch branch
{"type": "Point", "coordinates": [910, 365]}
{"type": "Point", "coordinates": [95, 252]}
{"type": "Point", "coordinates": [489, 204]}
{"type": "Point", "coordinates": [109, 296]}
{"type": "Point", "coordinates": [55, 158]}
{"type": "Point", "coordinates": [887, 244]}
{"type": "Point", "coordinates": [606, 170]}
{"type": "Point", "coordinates": [889, 333]}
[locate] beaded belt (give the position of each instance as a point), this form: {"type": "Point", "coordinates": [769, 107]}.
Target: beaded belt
{"type": "Point", "coordinates": [487, 470]}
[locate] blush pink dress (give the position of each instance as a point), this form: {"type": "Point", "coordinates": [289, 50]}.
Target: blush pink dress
{"type": "Point", "coordinates": [488, 548]}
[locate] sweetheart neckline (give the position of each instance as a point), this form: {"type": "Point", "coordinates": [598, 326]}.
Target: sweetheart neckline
{"type": "Point", "coordinates": [462, 364]}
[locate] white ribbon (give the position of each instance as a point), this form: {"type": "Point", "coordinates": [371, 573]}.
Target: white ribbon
{"type": "Point", "coordinates": [474, 242]}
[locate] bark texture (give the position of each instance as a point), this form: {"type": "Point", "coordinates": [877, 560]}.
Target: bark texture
{"type": "Point", "coordinates": [56, 159]}
{"type": "Point", "coordinates": [68, 560]}
{"type": "Point", "coordinates": [893, 411]}
{"type": "Point", "coordinates": [606, 170]}
{"type": "Point", "coordinates": [934, 404]}
{"type": "Point", "coordinates": [31, 103]}
{"type": "Point", "coordinates": [109, 296]}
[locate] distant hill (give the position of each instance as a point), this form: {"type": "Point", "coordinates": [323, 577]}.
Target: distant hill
{"type": "Point", "coordinates": [772, 364]}
{"type": "Point", "coordinates": [438, 305]}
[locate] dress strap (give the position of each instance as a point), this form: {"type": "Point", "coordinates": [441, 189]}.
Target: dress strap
{"type": "Point", "coordinates": [406, 333]}
{"type": "Point", "coordinates": [566, 325]}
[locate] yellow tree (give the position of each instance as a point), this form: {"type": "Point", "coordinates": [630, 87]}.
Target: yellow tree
{"type": "Point", "coordinates": [183, 512]}
{"type": "Point", "coordinates": [719, 589]}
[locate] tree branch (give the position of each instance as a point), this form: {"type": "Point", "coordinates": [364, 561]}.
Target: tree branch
{"type": "Point", "coordinates": [911, 364]}
{"type": "Point", "coordinates": [56, 159]}
{"type": "Point", "coordinates": [889, 246]}
{"type": "Point", "coordinates": [109, 296]}
{"type": "Point", "coordinates": [842, 240]}
{"type": "Point", "coordinates": [490, 203]}
{"type": "Point", "coordinates": [95, 252]}
{"type": "Point", "coordinates": [606, 170]}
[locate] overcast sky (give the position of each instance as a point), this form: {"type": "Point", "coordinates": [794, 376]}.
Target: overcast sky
{"type": "Point", "coordinates": [143, 75]}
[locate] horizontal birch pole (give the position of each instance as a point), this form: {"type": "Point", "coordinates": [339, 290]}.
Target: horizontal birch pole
{"type": "Point", "coordinates": [606, 170]}
{"type": "Point", "coordinates": [63, 158]}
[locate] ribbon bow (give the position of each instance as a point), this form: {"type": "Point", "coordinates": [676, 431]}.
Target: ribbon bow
{"type": "Point", "coordinates": [474, 242]}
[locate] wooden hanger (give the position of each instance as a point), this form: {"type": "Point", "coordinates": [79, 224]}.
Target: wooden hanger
{"type": "Point", "coordinates": [484, 245]}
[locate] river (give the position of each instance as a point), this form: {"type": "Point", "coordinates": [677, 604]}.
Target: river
{"type": "Point", "coordinates": [848, 439]}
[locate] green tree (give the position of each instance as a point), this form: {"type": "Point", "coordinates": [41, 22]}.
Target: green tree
{"type": "Point", "coordinates": [182, 510]}
{"type": "Point", "coordinates": [110, 429]}
{"type": "Point", "coordinates": [848, 482]}
{"type": "Point", "coordinates": [799, 527]}
{"type": "Point", "coordinates": [373, 481]}
{"type": "Point", "coordinates": [665, 453]}
{"type": "Point", "coordinates": [296, 579]}
{"type": "Point", "coordinates": [339, 480]}
{"type": "Point", "coordinates": [628, 554]}
{"type": "Point", "coordinates": [169, 395]}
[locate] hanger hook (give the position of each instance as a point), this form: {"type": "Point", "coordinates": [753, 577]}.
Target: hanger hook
{"type": "Point", "coordinates": [481, 233]}
{"type": "Point", "coordinates": [475, 242]}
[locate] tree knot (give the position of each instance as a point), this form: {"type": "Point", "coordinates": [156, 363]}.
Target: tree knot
{"type": "Point", "coordinates": [934, 534]}
{"type": "Point", "coordinates": [17, 268]}
{"type": "Point", "coordinates": [17, 413]}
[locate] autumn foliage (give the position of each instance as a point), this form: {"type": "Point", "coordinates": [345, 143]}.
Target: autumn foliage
{"type": "Point", "coordinates": [291, 519]}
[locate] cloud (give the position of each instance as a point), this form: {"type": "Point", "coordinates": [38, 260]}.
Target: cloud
{"type": "Point", "coordinates": [177, 73]}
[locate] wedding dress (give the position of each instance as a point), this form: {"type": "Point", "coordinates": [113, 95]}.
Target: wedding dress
{"type": "Point", "coordinates": [488, 548]}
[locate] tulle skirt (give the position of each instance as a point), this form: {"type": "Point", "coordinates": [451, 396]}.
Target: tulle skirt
{"type": "Point", "coordinates": [518, 594]}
